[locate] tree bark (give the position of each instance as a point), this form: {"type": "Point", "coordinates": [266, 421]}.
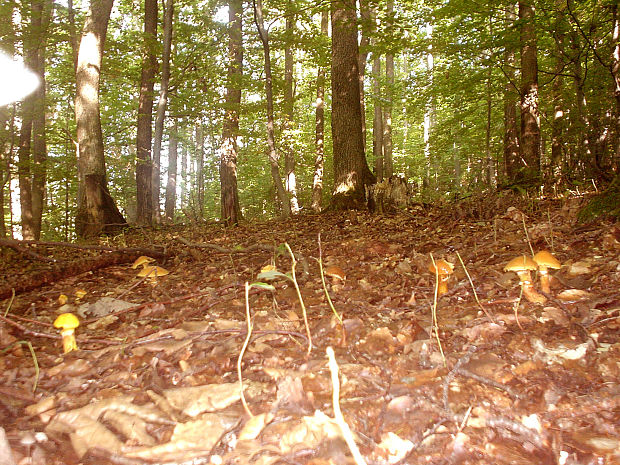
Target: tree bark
{"type": "Point", "coordinates": [366, 16]}
{"type": "Point", "coordinates": [96, 212]}
{"type": "Point", "coordinates": [229, 195]}
{"type": "Point", "coordinates": [289, 106]}
{"type": "Point", "coordinates": [351, 172]}
{"type": "Point", "coordinates": [511, 134]}
{"type": "Point", "coordinates": [200, 168]}
{"type": "Point", "coordinates": [388, 163]}
{"type": "Point", "coordinates": [530, 124]}
{"type": "Point", "coordinates": [615, 72]}
{"type": "Point", "coordinates": [273, 154]}
{"type": "Point", "coordinates": [161, 107]}
{"type": "Point", "coordinates": [42, 11]}
{"type": "Point", "coordinates": [171, 185]}
{"type": "Point", "coordinates": [317, 183]}
{"type": "Point", "coordinates": [377, 126]}
{"type": "Point", "coordinates": [144, 165]}
{"type": "Point", "coordinates": [557, 122]}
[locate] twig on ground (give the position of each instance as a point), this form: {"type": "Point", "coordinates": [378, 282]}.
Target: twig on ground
{"type": "Point", "coordinates": [243, 347]}
{"type": "Point", "coordinates": [342, 424]}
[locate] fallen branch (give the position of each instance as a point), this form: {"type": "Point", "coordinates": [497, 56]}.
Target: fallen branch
{"type": "Point", "coordinates": [217, 248]}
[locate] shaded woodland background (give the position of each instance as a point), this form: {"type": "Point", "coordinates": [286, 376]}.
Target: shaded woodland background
{"type": "Point", "coordinates": [214, 109]}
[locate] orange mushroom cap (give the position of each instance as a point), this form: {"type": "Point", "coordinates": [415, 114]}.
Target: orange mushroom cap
{"type": "Point", "coordinates": [443, 267]}
{"type": "Point", "coordinates": [66, 321]}
{"type": "Point", "coordinates": [335, 272]}
{"type": "Point", "coordinates": [545, 260]}
{"type": "Point", "coordinates": [522, 263]}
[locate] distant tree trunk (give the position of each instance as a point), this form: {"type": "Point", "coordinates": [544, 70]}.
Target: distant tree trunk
{"type": "Point", "coordinates": [351, 172]}
{"type": "Point", "coordinates": [366, 15]}
{"type": "Point", "coordinates": [183, 176]}
{"type": "Point", "coordinates": [171, 184]}
{"type": "Point", "coordinates": [317, 184]}
{"type": "Point", "coordinates": [615, 71]}
{"type": "Point", "coordinates": [489, 166]}
{"type": "Point", "coordinates": [230, 208]}
{"type": "Point", "coordinates": [377, 126]}
{"type": "Point", "coordinates": [25, 135]}
{"type": "Point", "coordinates": [42, 11]}
{"type": "Point", "coordinates": [73, 38]}
{"type": "Point", "coordinates": [273, 154]}
{"type": "Point", "coordinates": [557, 122]}
{"type": "Point", "coordinates": [429, 115]}
{"type": "Point", "coordinates": [23, 165]}
{"type": "Point", "coordinates": [161, 106]}
{"type": "Point", "coordinates": [583, 156]}
{"type": "Point", "coordinates": [144, 133]}
{"type": "Point", "coordinates": [289, 106]}
{"type": "Point", "coordinates": [388, 163]}
{"type": "Point", "coordinates": [96, 211]}
{"type": "Point", "coordinates": [200, 170]}
{"type": "Point", "coordinates": [530, 124]}
{"type": "Point", "coordinates": [511, 134]}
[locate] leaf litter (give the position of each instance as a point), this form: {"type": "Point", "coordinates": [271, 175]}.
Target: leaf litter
{"type": "Point", "coordinates": [476, 375]}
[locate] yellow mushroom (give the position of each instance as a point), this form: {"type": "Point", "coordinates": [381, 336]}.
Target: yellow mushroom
{"type": "Point", "coordinates": [67, 322]}
{"type": "Point", "coordinates": [152, 271]}
{"type": "Point", "coordinates": [523, 266]}
{"type": "Point", "coordinates": [336, 273]}
{"type": "Point", "coordinates": [142, 260]}
{"type": "Point", "coordinates": [443, 269]}
{"type": "Point", "coordinates": [545, 260]}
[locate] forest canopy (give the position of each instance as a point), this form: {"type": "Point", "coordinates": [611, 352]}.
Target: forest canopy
{"type": "Point", "coordinates": [154, 112]}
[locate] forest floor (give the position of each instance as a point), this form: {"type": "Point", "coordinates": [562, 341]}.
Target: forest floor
{"type": "Point", "coordinates": [492, 379]}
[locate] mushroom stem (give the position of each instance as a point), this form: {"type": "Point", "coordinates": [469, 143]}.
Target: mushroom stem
{"type": "Point", "coordinates": [68, 340]}
{"type": "Point", "coordinates": [528, 289]}
{"type": "Point", "coordinates": [544, 280]}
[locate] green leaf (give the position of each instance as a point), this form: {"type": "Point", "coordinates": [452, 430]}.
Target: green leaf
{"type": "Point", "coordinates": [266, 286]}
{"type": "Point", "coordinates": [271, 275]}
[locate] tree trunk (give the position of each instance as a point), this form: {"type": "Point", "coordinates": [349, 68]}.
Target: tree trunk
{"type": "Point", "coordinates": [366, 16]}
{"type": "Point", "coordinates": [23, 166]}
{"type": "Point", "coordinates": [42, 11]}
{"type": "Point", "coordinates": [183, 176]}
{"type": "Point", "coordinates": [96, 211]}
{"type": "Point", "coordinates": [489, 165]}
{"type": "Point", "coordinates": [161, 107]}
{"type": "Point", "coordinates": [144, 134]}
{"type": "Point", "coordinates": [530, 125]}
{"type": "Point", "coordinates": [289, 107]}
{"type": "Point", "coordinates": [171, 184]}
{"type": "Point", "coordinates": [200, 171]}
{"type": "Point", "coordinates": [377, 126]}
{"type": "Point", "coordinates": [557, 122]}
{"type": "Point", "coordinates": [615, 72]}
{"type": "Point", "coordinates": [429, 116]}
{"type": "Point", "coordinates": [273, 154]}
{"type": "Point", "coordinates": [351, 172]}
{"type": "Point", "coordinates": [511, 135]}
{"type": "Point", "coordinates": [229, 195]}
{"type": "Point", "coordinates": [388, 163]}
{"type": "Point", "coordinates": [317, 184]}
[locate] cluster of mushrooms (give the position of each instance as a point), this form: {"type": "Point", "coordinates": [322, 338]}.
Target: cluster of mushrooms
{"type": "Point", "coordinates": [68, 322]}
{"type": "Point", "coordinates": [522, 265]}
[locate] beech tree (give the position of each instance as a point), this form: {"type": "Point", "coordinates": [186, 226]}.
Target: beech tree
{"type": "Point", "coordinates": [161, 107]}
{"type": "Point", "coordinates": [319, 126]}
{"type": "Point", "coordinates": [351, 172]}
{"type": "Point", "coordinates": [96, 211]}
{"type": "Point", "coordinates": [144, 163]}
{"type": "Point", "coordinates": [229, 195]}
{"type": "Point", "coordinates": [530, 124]}
{"type": "Point", "coordinates": [284, 204]}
